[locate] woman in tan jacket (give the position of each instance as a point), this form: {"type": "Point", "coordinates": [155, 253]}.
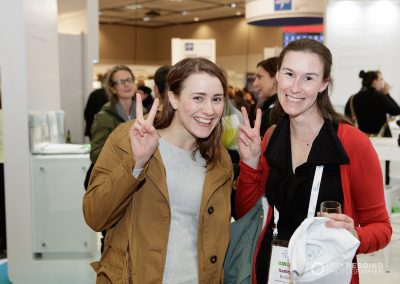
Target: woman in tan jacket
{"type": "Point", "coordinates": [161, 186]}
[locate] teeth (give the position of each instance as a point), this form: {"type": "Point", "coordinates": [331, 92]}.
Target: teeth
{"type": "Point", "coordinates": [294, 99]}
{"type": "Point", "coordinates": [203, 120]}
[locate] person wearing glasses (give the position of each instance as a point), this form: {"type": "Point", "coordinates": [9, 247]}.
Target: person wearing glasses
{"type": "Point", "coordinates": [162, 184]}
{"type": "Point", "coordinates": [120, 89]}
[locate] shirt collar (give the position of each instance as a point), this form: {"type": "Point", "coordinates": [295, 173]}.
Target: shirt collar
{"type": "Point", "coordinates": [326, 149]}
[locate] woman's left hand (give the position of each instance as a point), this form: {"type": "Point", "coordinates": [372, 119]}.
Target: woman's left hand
{"type": "Point", "coordinates": [340, 221]}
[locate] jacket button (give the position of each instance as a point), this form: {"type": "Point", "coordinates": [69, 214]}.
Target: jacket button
{"type": "Point", "coordinates": [213, 259]}
{"type": "Point", "coordinates": [210, 210]}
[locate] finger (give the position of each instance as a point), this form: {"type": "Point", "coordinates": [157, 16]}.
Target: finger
{"type": "Point", "coordinates": [137, 128]}
{"type": "Point", "coordinates": [244, 138]}
{"type": "Point", "coordinates": [139, 107]}
{"type": "Point", "coordinates": [257, 123]}
{"type": "Point", "coordinates": [337, 224]}
{"type": "Point", "coordinates": [247, 131]}
{"type": "Point", "coordinates": [153, 111]}
{"type": "Point", "coordinates": [245, 116]}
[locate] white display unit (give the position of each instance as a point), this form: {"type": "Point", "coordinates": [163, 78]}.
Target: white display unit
{"type": "Point", "coordinates": [388, 150]}
{"type": "Point", "coordinates": [59, 229]}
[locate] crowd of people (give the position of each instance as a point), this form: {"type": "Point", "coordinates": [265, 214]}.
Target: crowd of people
{"type": "Point", "coordinates": [164, 166]}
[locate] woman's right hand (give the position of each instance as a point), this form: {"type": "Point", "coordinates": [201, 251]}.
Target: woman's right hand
{"type": "Point", "coordinates": [142, 135]}
{"type": "Point", "coordinates": [249, 140]}
{"type": "Point", "coordinates": [386, 88]}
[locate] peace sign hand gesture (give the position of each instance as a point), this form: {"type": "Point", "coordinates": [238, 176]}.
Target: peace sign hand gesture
{"type": "Point", "coordinates": [249, 140]}
{"type": "Point", "coordinates": [142, 135]}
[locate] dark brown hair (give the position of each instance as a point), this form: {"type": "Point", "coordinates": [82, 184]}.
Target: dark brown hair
{"type": "Point", "coordinates": [109, 83]}
{"type": "Point", "coordinates": [270, 65]}
{"type": "Point", "coordinates": [324, 103]}
{"type": "Point", "coordinates": [209, 147]}
{"type": "Point", "coordinates": [368, 77]}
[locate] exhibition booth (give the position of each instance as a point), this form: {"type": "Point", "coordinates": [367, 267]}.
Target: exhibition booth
{"type": "Point", "coordinates": [47, 74]}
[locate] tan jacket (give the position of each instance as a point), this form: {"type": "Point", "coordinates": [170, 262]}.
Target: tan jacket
{"type": "Point", "coordinates": [136, 214]}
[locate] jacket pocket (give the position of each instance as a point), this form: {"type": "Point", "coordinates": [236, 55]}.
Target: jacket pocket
{"type": "Point", "coordinates": [115, 263]}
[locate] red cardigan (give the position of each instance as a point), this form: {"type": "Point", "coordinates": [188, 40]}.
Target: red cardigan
{"type": "Point", "coordinates": [362, 185]}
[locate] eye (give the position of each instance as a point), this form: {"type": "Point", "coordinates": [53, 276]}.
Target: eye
{"type": "Point", "coordinates": [289, 74]}
{"type": "Point", "coordinates": [198, 98]}
{"type": "Point", "coordinates": [218, 99]}
{"type": "Point", "coordinates": [309, 78]}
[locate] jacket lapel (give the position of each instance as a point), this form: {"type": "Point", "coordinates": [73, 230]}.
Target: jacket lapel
{"type": "Point", "coordinates": [156, 173]}
{"type": "Point", "coordinates": [215, 177]}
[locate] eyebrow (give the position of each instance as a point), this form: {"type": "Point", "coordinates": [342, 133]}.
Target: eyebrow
{"type": "Point", "coordinates": [204, 94]}
{"type": "Point", "coordinates": [307, 74]}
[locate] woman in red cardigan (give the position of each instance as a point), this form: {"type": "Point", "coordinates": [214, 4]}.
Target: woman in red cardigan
{"type": "Point", "coordinates": [309, 134]}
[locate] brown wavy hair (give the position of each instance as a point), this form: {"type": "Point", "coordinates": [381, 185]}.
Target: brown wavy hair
{"type": "Point", "coordinates": [324, 103]}
{"type": "Point", "coordinates": [109, 83]}
{"type": "Point", "coordinates": [209, 147]}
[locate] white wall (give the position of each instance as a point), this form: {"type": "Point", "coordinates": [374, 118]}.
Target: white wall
{"type": "Point", "coordinates": [362, 35]}
{"type": "Point", "coordinates": [81, 19]}
{"type": "Point", "coordinates": [30, 81]}
{"type": "Point", "coordinates": [73, 98]}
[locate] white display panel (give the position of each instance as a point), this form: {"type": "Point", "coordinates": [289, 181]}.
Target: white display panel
{"type": "Point", "coordinates": [184, 48]}
{"type": "Point", "coordinates": [362, 35]}
{"type": "Point", "coordinates": [59, 228]}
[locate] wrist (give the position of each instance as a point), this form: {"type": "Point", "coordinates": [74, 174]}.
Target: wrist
{"type": "Point", "coordinates": [252, 163]}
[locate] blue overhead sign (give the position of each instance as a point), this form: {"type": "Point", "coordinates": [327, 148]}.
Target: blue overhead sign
{"type": "Point", "coordinates": [281, 5]}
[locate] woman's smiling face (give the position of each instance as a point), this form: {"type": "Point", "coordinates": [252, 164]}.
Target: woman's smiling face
{"type": "Point", "coordinates": [300, 79]}
{"type": "Point", "coordinates": [199, 106]}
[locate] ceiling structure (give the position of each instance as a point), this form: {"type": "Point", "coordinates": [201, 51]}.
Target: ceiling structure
{"type": "Point", "coordinates": [162, 13]}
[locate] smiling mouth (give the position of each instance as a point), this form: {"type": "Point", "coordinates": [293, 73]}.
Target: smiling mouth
{"type": "Point", "coordinates": [293, 99]}
{"type": "Point", "coordinates": [203, 120]}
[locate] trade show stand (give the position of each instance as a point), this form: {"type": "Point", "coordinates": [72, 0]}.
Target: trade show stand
{"type": "Point", "coordinates": [388, 150]}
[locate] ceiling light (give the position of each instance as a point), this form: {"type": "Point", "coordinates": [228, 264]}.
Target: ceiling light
{"type": "Point", "coordinates": [152, 13]}
{"type": "Point", "coordinates": [196, 19]}
{"type": "Point", "coordinates": [233, 5]}
{"type": "Point", "coordinates": [238, 13]}
{"type": "Point", "coordinates": [133, 6]}
{"type": "Point", "coordinates": [146, 19]}
{"type": "Point", "coordinates": [184, 13]}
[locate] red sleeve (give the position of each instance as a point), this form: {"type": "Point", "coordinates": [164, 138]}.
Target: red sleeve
{"type": "Point", "coordinates": [367, 193]}
{"type": "Point", "coordinates": [251, 183]}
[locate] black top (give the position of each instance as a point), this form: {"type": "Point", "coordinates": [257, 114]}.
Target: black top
{"type": "Point", "coordinates": [370, 108]}
{"type": "Point", "coordinates": [290, 192]}
{"type": "Point", "coordinates": [96, 100]}
{"type": "Point", "coordinates": [266, 111]}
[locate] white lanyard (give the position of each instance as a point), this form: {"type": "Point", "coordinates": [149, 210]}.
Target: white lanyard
{"type": "Point", "coordinates": [313, 198]}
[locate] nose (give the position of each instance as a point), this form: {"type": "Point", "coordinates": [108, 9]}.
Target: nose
{"type": "Point", "coordinates": [255, 83]}
{"type": "Point", "coordinates": [208, 107]}
{"type": "Point", "coordinates": [296, 86]}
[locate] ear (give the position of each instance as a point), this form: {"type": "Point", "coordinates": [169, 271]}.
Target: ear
{"type": "Point", "coordinates": [113, 90]}
{"type": "Point", "coordinates": [173, 100]}
{"type": "Point", "coordinates": [324, 85]}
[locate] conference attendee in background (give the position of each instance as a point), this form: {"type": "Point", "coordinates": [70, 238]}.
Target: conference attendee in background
{"type": "Point", "coordinates": [161, 186]}
{"type": "Point", "coordinates": [371, 106]}
{"type": "Point", "coordinates": [252, 104]}
{"type": "Point", "coordinates": [160, 84]}
{"type": "Point", "coordinates": [120, 89]}
{"type": "Point", "coordinates": [265, 84]}
{"type": "Point", "coordinates": [96, 100]}
{"type": "Point", "coordinates": [147, 98]}
{"type": "Point", "coordinates": [310, 134]}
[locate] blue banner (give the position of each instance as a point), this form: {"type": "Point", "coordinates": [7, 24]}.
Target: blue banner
{"type": "Point", "coordinates": [281, 5]}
